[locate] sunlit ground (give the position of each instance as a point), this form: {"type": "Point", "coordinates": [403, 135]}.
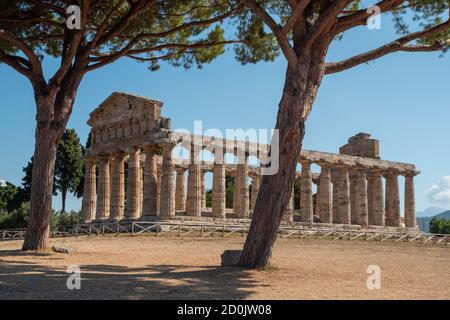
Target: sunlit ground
{"type": "Point", "coordinates": [146, 267]}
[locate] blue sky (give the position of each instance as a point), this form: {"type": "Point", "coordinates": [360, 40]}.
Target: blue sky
{"type": "Point", "coordinates": [401, 99]}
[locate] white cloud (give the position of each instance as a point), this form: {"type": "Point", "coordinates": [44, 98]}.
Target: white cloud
{"type": "Point", "coordinates": [2, 183]}
{"type": "Point", "coordinates": [440, 192]}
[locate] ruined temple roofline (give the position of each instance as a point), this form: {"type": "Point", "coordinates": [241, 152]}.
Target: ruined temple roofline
{"type": "Point", "coordinates": [319, 157]}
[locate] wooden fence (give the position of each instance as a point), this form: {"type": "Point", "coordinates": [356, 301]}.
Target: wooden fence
{"type": "Point", "coordinates": [185, 229]}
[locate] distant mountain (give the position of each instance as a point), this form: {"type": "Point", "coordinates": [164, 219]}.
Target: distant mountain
{"type": "Point", "coordinates": [424, 222]}
{"type": "Point", "coordinates": [430, 211]}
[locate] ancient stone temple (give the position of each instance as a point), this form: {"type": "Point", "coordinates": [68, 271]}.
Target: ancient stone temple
{"type": "Point", "coordinates": [132, 174]}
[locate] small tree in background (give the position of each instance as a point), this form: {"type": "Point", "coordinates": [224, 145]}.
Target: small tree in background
{"type": "Point", "coordinates": [69, 165]}
{"type": "Point", "coordinates": [440, 226]}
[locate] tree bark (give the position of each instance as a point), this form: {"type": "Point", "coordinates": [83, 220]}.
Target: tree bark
{"type": "Point", "coordinates": [47, 139]}
{"type": "Point", "coordinates": [300, 89]}
{"type": "Point", "coordinates": [63, 196]}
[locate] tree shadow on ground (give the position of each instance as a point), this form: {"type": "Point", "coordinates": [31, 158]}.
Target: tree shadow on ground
{"type": "Point", "coordinates": [28, 280]}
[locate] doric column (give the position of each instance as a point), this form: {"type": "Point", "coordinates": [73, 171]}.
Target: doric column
{"type": "Point", "coordinates": [180, 196]}
{"type": "Point", "coordinates": [306, 199]}
{"type": "Point", "coordinates": [194, 190]}
{"type": "Point", "coordinates": [219, 187]}
{"type": "Point", "coordinates": [255, 189]}
{"type": "Point", "coordinates": [343, 193]}
{"type": "Point", "coordinates": [410, 203]}
{"type": "Point", "coordinates": [203, 187]}
{"type": "Point", "coordinates": [243, 190]}
{"type": "Point", "coordinates": [133, 184]}
{"type": "Point", "coordinates": [324, 197]}
{"type": "Point", "coordinates": [334, 200]}
{"type": "Point", "coordinates": [167, 189]}
{"type": "Point", "coordinates": [361, 198]}
{"type": "Point", "coordinates": [288, 215]}
{"type": "Point", "coordinates": [377, 198]}
{"type": "Point", "coordinates": [118, 187]}
{"type": "Point", "coordinates": [354, 199]}
{"type": "Point", "coordinates": [370, 198]}
{"type": "Point", "coordinates": [392, 199]}
{"type": "Point", "coordinates": [90, 193]}
{"type": "Point", "coordinates": [150, 195]}
{"type": "Point", "coordinates": [236, 189]}
{"type": "Point", "coordinates": [158, 189]}
{"type": "Point", "coordinates": [104, 191]}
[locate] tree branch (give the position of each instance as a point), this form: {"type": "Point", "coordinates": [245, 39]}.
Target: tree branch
{"type": "Point", "coordinates": [401, 44]}
{"type": "Point", "coordinates": [32, 57]}
{"type": "Point", "coordinates": [281, 37]}
{"type": "Point", "coordinates": [298, 11]}
{"type": "Point", "coordinates": [128, 51]}
{"type": "Point", "coordinates": [360, 17]}
{"type": "Point", "coordinates": [326, 21]}
{"type": "Point", "coordinates": [18, 63]}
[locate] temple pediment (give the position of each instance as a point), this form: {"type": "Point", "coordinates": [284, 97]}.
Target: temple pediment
{"type": "Point", "coordinates": [120, 107]}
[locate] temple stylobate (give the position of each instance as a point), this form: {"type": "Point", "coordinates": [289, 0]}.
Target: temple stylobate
{"type": "Point", "coordinates": [132, 174]}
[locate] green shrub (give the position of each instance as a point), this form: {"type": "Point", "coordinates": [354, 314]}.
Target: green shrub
{"type": "Point", "coordinates": [16, 219]}
{"type": "Point", "coordinates": [441, 226]}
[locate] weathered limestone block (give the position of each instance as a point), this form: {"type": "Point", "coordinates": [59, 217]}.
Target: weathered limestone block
{"type": "Point", "coordinates": [230, 258]}
{"type": "Point", "coordinates": [63, 249]}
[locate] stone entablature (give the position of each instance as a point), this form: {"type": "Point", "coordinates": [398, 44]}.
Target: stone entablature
{"type": "Point", "coordinates": [124, 120]}
{"type": "Point", "coordinates": [354, 187]}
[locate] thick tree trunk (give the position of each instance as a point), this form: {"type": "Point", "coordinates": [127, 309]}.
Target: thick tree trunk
{"type": "Point", "coordinates": [47, 139]}
{"type": "Point", "coordinates": [275, 190]}
{"type": "Point", "coordinates": [63, 200]}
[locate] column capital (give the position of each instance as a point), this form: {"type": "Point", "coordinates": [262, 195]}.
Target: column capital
{"type": "Point", "coordinates": [119, 153]}
{"type": "Point", "coordinates": [391, 172]}
{"type": "Point", "coordinates": [152, 148]}
{"type": "Point", "coordinates": [180, 169]}
{"type": "Point", "coordinates": [410, 174]}
{"type": "Point", "coordinates": [90, 159]}
{"type": "Point", "coordinates": [306, 162]}
{"type": "Point", "coordinates": [324, 164]}
{"type": "Point", "coordinates": [132, 149]}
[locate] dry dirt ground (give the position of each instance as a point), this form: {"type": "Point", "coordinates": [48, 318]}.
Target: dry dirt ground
{"type": "Point", "coordinates": [146, 267]}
